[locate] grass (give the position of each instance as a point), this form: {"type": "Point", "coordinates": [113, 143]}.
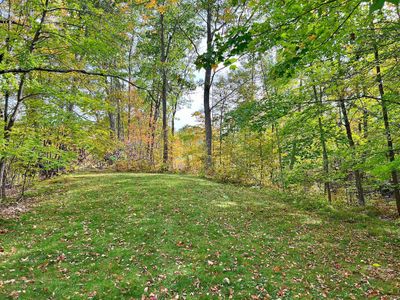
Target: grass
{"type": "Point", "coordinates": [129, 236]}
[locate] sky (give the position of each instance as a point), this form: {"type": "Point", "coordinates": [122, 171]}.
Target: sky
{"type": "Point", "coordinates": [184, 115]}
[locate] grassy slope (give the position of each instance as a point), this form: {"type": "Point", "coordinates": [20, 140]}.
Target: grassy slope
{"type": "Point", "coordinates": [112, 235]}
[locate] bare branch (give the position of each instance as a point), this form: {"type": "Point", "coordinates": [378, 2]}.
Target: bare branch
{"type": "Point", "coordinates": [66, 71]}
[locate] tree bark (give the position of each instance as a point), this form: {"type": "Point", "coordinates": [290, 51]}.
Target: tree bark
{"type": "Point", "coordinates": [389, 141]}
{"type": "Point", "coordinates": [129, 91]}
{"type": "Point", "coordinates": [153, 130]}
{"type": "Point", "coordinates": [357, 173]}
{"type": "Point", "coordinates": [3, 178]}
{"type": "Point", "coordinates": [174, 109]}
{"type": "Point", "coordinates": [120, 124]}
{"type": "Point", "coordinates": [111, 119]}
{"type": "Point", "coordinates": [278, 142]}
{"type": "Point", "coordinates": [207, 89]}
{"type": "Point", "coordinates": [325, 158]}
{"type": "Point", "coordinates": [164, 92]}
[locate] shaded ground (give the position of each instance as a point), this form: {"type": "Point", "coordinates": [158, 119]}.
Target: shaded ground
{"type": "Point", "coordinates": [113, 236]}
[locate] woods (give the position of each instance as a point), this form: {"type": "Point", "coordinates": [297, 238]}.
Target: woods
{"type": "Point", "coordinates": [297, 96]}
{"type": "Point", "coordinates": [199, 149]}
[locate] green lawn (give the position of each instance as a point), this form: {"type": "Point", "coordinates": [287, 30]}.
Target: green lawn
{"type": "Point", "coordinates": [115, 236]}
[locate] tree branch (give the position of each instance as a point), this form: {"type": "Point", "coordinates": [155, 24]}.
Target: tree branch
{"type": "Point", "coordinates": [66, 71]}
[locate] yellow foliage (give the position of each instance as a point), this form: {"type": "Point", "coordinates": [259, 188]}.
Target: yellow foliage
{"type": "Point", "coordinates": [162, 9]}
{"type": "Point", "coordinates": [151, 4]}
{"type": "Point", "coordinates": [312, 37]}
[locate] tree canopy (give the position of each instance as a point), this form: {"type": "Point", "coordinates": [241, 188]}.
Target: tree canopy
{"type": "Point", "coordinates": [296, 95]}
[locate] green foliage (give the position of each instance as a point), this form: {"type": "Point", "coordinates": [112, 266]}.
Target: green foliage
{"type": "Point", "coordinates": [378, 4]}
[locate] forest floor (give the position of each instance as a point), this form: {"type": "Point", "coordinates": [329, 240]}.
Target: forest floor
{"type": "Point", "coordinates": [116, 236]}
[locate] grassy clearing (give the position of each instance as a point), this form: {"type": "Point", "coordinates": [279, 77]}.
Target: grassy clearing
{"type": "Point", "coordinates": [113, 236]}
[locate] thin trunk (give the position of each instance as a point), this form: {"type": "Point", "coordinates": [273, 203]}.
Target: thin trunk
{"type": "Point", "coordinates": [2, 178]}
{"type": "Point", "coordinates": [325, 158]}
{"type": "Point", "coordinates": [175, 106]}
{"type": "Point", "coordinates": [164, 92]}
{"type": "Point", "coordinates": [111, 119]}
{"type": "Point", "coordinates": [173, 125]}
{"type": "Point", "coordinates": [389, 141]}
{"type": "Point", "coordinates": [128, 130]}
{"type": "Point", "coordinates": [153, 131]}
{"type": "Point", "coordinates": [207, 88]}
{"type": "Point", "coordinates": [120, 129]}
{"type": "Point", "coordinates": [365, 123]}
{"type": "Point", "coordinates": [174, 109]}
{"type": "Point", "coordinates": [261, 154]}
{"type": "Point", "coordinates": [278, 141]}
{"type": "Point", "coordinates": [6, 135]}
{"type": "Point", "coordinates": [221, 119]}
{"type": "Point", "coordinates": [129, 91]}
{"type": "Point", "coordinates": [150, 129]}
{"type": "Point", "coordinates": [357, 173]}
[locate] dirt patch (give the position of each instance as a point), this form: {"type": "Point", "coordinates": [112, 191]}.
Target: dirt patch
{"type": "Point", "coordinates": [16, 209]}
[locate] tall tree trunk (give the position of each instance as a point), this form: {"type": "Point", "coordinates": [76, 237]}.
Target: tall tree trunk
{"type": "Point", "coordinates": [150, 125]}
{"type": "Point", "coordinates": [120, 125]}
{"type": "Point", "coordinates": [221, 120]}
{"type": "Point", "coordinates": [278, 142]}
{"type": "Point", "coordinates": [174, 109]}
{"type": "Point", "coordinates": [207, 89]}
{"type": "Point", "coordinates": [261, 155]}
{"type": "Point", "coordinates": [3, 178]}
{"type": "Point", "coordinates": [164, 92]}
{"type": "Point", "coordinates": [3, 175]}
{"type": "Point", "coordinates": [357, 173]}
{"type": "Point", "coordinates": [129, 91]}
{"type": "Point", "coordinates": [389, 141]}
{"type": "Point", "coordinates": [365, 123]}
{"type": "Point", "coordinates": [111, 119]}
{"type": "Point", "coordinates": [153, 130]}
{"type": "Point", "coordinates": [325, 158]}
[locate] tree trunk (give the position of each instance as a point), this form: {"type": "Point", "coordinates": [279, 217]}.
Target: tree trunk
{"type": "Point", "coordinates": [150, 131]}
{"type": "Point", "coordinates": [325, 158]}
{"type": "Point", "coordinates": [207, 120]}
{"type": "Point", "coordinates": [261, 155]}
{"type": "Point", "coordinates": [357, 173]}
{"type": "Point", "coordinates": [278, 141]}
{"type": "Point", "coordinates": [153, 130]}
{"type": "Point", "coordinates": [207, 88]}
{"type": "Point", "coordinates": [389, 141]}
{"type": "Point", "coordinates": [129, 91]}
{"type": "Point", "coordinates": [164, 93]}
{"type": "Point", "coordinates": [120, 125]}
{"type": "Point", "coordinates": [174, 109]}
{"type": "Point", "coordinates": [2, 179]}
{"type": "Point", "coordinates": [221, 120]}
{"type": "Point", "coordinates": [3, 159]}
{"type": "Point", "coordinates": [111, 119]}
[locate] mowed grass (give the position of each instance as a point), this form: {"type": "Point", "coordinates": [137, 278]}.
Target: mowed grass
{"type": "Point", "coordinates": [142, 236]}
